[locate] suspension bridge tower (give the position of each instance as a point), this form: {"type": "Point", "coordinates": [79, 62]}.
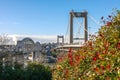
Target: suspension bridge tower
{"type": "Point", "coordinates": [78, 15]}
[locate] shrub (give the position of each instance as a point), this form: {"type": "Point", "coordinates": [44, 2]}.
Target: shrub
{"type": "Point", "coordinates": [32, 72]}
{"type": "Point", "coordinates": [97, 59]}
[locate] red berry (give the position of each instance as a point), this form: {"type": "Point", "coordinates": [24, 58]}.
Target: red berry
{"type": "Point", "coordinates": [66, 71]}
{"type": "Point", "coordinates": [102, 67]}
{"type": "Point", "coordinates": [108, 67]}
{"type": "Point", "coordinates": [94, 59]}
{"type": "Point", "coordinates": [118, 45]}
{"type": "Point", "coordinates": [71, 63]}
{"type": "Point", "coordinates": [96, 69]}
{"type": "Point", "coordinates": [108, 23]}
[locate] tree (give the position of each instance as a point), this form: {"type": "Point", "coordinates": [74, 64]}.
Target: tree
{"type": "Point", "coordinates": [4, 40]}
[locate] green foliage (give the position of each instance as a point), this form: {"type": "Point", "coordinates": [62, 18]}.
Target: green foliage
{"type": "Point", "coordinates": [98, 59]}
{"type": "Point", "coordinates": [32, 72]}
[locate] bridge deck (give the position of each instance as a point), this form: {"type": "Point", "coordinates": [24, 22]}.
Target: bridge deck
{"type": "Point", "coordinates": [69, 46]}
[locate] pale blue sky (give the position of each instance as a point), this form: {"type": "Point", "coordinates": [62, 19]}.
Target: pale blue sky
{"type": "Point", "coordinates": [48, 17]}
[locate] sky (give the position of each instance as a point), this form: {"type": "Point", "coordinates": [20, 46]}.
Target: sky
{"type": "Point", "coordinates": [45, 19]}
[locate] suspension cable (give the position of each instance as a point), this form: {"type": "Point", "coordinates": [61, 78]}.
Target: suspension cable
{"type": "Point", "coordinates": [67, 30]}
{"type": "Point", "coordinates": [79, 29]}
{"type": "Point", "coordinates": [92, 18]}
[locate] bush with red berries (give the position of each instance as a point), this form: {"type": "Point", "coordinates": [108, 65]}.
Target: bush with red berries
{"type": "Point", "coordinates": [97, 59]}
